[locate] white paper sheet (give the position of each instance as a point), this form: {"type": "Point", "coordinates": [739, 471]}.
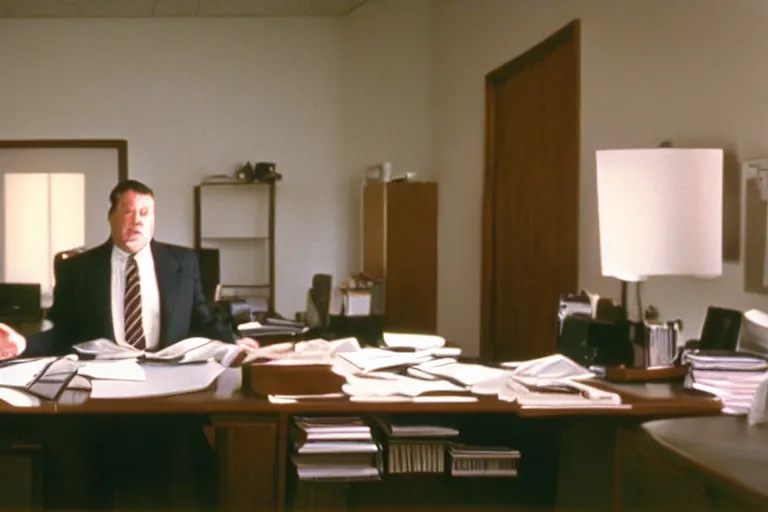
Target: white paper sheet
{"type": "Point", "coordinates": [161, 380]}
{"type": "Point", "coordinates": [19, 375]}
{"type": "Point", "coordinates": [122, 369]}
{"type": "Point", "coordinates": [18, 398]}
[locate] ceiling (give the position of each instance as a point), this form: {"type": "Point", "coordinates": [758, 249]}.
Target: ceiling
{"type": "Point", "coordinates": [174, 8]}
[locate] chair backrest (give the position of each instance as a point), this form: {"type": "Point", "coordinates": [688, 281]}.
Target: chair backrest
{"type": "Point", "coordinates": [319, 302]}
{"type": "Point", "coordinates": [60, 256]}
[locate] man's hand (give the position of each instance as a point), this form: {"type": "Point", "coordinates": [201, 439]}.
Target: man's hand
{"type": "Point", "coordinates": [12, 344]}
{"type": "Point", "coordinates": [247, 343]}
{"type": "Point", "coordinates": [236, 357]}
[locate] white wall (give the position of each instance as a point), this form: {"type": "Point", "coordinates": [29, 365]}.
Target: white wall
{"type": "Point", "coordinates": [386, 68]}
{"type": "Point", "coordinates": [685, 70]}
{"type": "Point", "coordinates": [398, 80]}
{"type": "Point", "coordinates": [196, 97]}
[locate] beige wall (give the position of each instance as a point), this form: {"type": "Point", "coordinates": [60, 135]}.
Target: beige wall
{"type": "Point", "coordinates": [398, 80]}
{"type": "Point", "coordinates": [686, 70]}
{"type": "Point", "coordinates": [386, 96]}
{"type": "Point", "coordinates": [195, 97]}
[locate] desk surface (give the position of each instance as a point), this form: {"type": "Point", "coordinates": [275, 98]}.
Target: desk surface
{"type": "Point", "coordinates": [225, 397]}
{"type": "Point", "coordinates": [725, 447]}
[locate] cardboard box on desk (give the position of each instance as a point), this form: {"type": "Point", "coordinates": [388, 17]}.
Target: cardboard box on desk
{"type": "Point", "coordinates": [291, 379]}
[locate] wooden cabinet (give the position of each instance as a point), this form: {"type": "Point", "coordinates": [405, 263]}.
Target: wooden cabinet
{"type": "Point", "coordinates": [21, 473]}
{"type": "Point", "coordinates": [248, 452]}
{"type": "Point", "coordinates": [238, 219]}
{"type": "Point", "coordinates": [400, 247]}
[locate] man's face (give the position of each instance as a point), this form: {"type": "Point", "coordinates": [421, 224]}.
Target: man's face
{"type": "Point", "coordinates": [133, 221]}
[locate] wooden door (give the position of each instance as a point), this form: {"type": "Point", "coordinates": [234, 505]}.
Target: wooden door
{"type": "Point", "coordinates": [531, 197]}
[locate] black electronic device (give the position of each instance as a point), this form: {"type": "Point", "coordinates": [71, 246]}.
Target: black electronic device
{"type": "Point", "coordinates": [721, 329]}
{"type": "Point", "coordinates": [210, 271]}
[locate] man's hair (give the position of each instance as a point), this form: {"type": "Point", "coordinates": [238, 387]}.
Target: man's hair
{"type": "Point", "coordinates": [125, 186]}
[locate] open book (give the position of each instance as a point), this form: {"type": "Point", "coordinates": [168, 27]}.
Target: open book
{"type": "Point", "coordinates": [190, 350]}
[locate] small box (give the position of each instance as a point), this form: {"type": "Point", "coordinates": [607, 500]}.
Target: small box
{"type": "Point", "coordinates": [291, 379]}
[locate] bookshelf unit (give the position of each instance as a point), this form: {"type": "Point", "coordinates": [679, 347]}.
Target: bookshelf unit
{"type": "Point", "coordinates": [238, 219]}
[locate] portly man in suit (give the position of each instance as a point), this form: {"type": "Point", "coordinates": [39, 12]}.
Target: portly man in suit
{"type": "Point", "coordinates": [132, 289]}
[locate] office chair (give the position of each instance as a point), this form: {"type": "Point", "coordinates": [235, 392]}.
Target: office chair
{"type": "Point", "coordinates": [60, 256]}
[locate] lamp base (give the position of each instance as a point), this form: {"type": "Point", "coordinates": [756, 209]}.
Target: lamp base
{"type": "Point", "coordinates": [633, 306]}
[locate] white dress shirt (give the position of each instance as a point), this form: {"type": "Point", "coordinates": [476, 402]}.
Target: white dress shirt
{"type": "Point", "coordinates": [150, 295]}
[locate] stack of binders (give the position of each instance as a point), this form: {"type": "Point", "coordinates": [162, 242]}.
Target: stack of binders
{"type": "Point", "coordinates": [483, 461]}
{"type": "Point", "coordinates": [414, 448]}
{"type": "Point", "coordinates": [333, 448]}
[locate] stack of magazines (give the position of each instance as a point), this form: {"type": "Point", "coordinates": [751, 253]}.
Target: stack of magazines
{"type": "Point", "coordinates": [414, 447]}
{"type": "Point", "coordinates": [483, 460]}
{"type": "Point", "coordinates": [334, 448]}
{"type": "Point", "coordinates": [731, 376]}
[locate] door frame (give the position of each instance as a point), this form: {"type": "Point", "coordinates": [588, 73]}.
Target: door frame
{"type": "Point", "coordinates": [493, 79]}
{"type": "Point", "coordinates": [119, 144]}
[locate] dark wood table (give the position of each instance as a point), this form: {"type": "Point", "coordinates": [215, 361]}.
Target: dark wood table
{"type": "Point", "coordinates": [712, 463]}
{"type": "Point", "coordinates": [251, 439]}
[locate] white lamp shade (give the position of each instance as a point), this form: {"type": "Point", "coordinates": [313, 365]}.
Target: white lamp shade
{"type": "Point", "coordinates": [660, 212]}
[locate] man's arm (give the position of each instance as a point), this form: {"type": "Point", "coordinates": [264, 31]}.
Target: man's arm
{"type": "Point", "coordinates": [61, 313]}
{"type": "Point", "coordinates": [203, 319]}
{"type": "Point", "coordinates": [12, 344]}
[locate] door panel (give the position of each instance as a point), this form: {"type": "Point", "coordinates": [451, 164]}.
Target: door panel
{"type": "Point", "coordinates": [531, 228]}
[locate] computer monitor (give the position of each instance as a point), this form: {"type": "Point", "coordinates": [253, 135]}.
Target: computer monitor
{"type": "Point", "coordinates": [20, 302]}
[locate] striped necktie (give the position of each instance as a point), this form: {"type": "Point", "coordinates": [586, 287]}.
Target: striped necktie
{"type": "Point", "coordinates": [134, 325]}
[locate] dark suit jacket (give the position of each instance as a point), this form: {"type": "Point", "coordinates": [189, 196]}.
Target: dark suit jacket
{"type": "Point", "coordinates": [82, 302]}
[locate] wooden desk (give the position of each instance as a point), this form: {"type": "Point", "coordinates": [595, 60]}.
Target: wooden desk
{"type": "Point", "coordinates": [251, 439]}
{"type": "Point", "coordinates": [717, 463]}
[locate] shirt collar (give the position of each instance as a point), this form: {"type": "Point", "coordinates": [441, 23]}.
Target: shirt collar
{"type": "Point", "coordinates": [123, 256]}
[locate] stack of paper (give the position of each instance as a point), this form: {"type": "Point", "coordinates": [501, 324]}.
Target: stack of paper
{"type": "Point", "coordinates": [465, 374]}
{"type": "Point", "coordinates": [334, 448]}
{"type": "Point", "coordinates": [190, 350]}
{"type": "Point", "coordinates": [558, 394]}
{"type": "Point", "coordinates": [423, 343]}
{"type": "Point", "coordinates": [393, 387]}
{"type": "Point", "coordinates": [483, 461]}
{"type": "Point", "coordinates": [160, 380]}
{"type": "Point", "coordinates": [556, 382]}
{"type": "Point", "coordinates": [372, 359]}
{"type": "Point", "coordinates": [414, 447]}
{"type": "Point", "coordinates": [731, 376]}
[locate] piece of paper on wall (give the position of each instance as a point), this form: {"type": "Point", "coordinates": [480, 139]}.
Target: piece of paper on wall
{"type": "Point", "coordinates": [755, 239]}
{"type": "Point", "coordinates": [357, 304]}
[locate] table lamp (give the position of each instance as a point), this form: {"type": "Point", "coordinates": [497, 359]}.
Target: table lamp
{"type": "Point", "coordinates": [660, 214]}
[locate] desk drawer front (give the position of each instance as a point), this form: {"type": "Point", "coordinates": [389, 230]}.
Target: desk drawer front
{"type": "Point", "coordinates": [247, 454]}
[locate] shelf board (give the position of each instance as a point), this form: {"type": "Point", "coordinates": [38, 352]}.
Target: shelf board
{"type": "Point", "coordinates": [235, 184]}
{"type": "Point", "coordinates": [246, 285]}
{"type": "Point", "coordinates": [234, 238]}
